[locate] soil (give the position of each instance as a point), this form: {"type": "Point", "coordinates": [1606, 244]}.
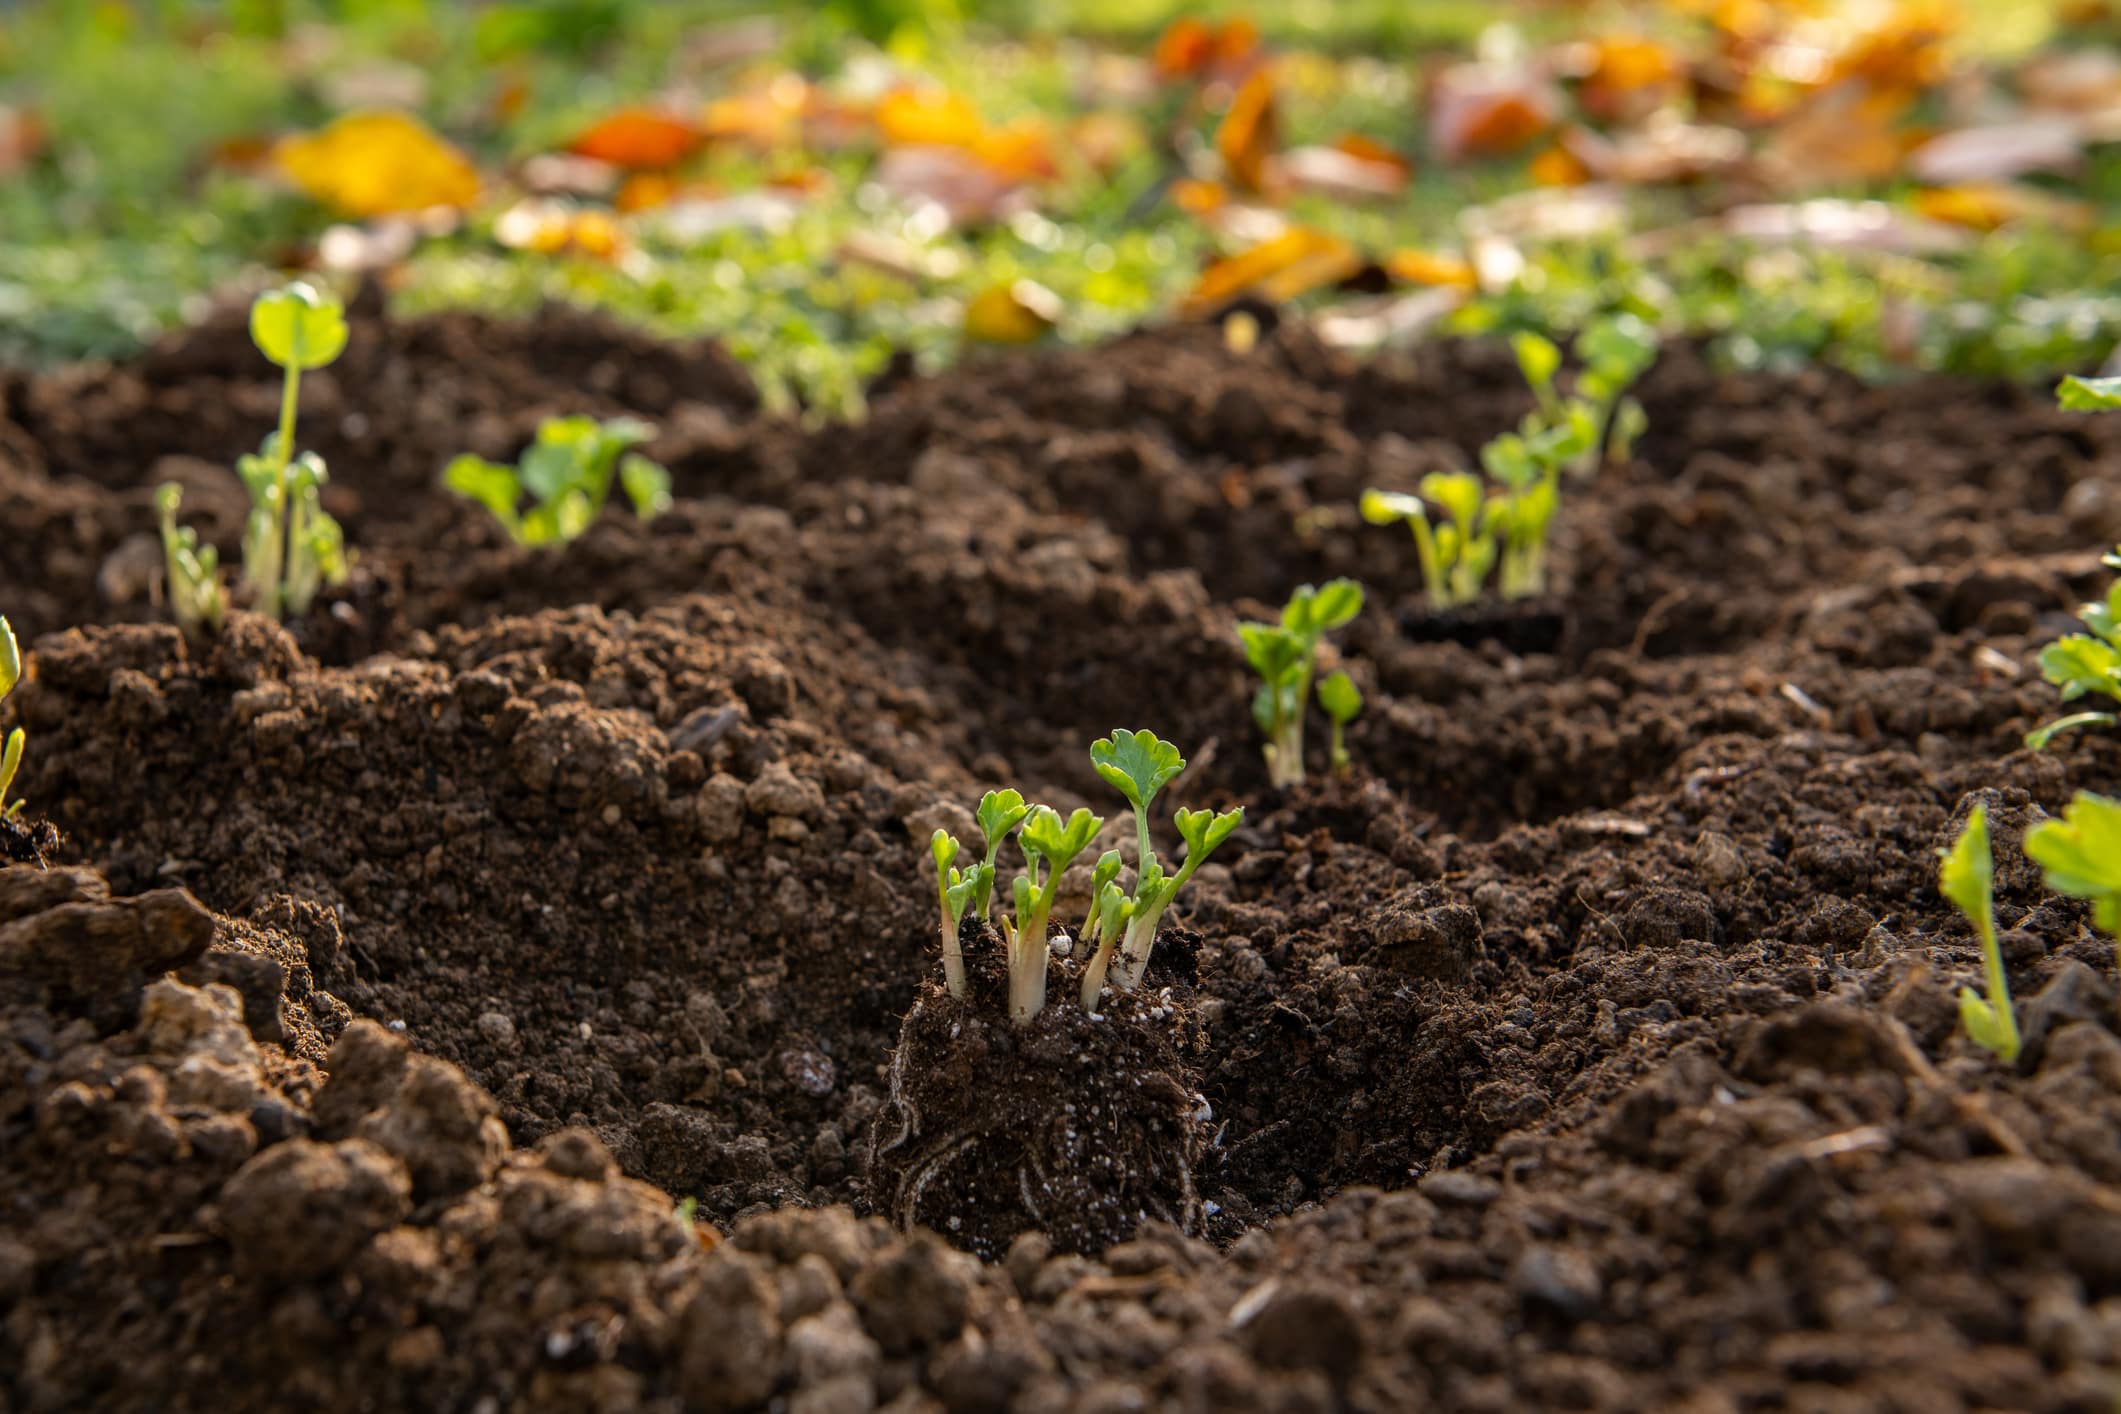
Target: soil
{"type": "Point", "coordinates": [1592, 1046]}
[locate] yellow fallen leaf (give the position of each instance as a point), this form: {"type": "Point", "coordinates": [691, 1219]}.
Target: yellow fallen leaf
{"type": "Point", "coordinates": [929, 117]}
{"type": "Point", "coordinates": [377, 164]}
{"type": "Point", "coordinates": [1250, 131]}
{"type": "Point", "coordinates": [1986, 206]}
{"type": "Point", "coordinates": [1422, 267]}
{"type": "Point", "coordinates": [1018, 312]}
{"type": "Point", "coordinates": [1297, 261]}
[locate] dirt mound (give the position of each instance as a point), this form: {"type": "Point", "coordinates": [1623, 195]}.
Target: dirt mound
{"type": "Point", "coordinates": [1592, 1046]}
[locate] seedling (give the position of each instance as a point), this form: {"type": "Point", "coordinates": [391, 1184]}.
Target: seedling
{"type": "Point", "coordinates": [1139, 765]}
{"type": "Point", "coordinates": [1285, 655]}
{"type": "Point", "coordinates": [1967, 878]}
{"type": "Point", "coordinates": [195, 598]}
{"type": "Point", "coordinates": [2089, 394]}
{"type": "Point", "coordinates": [291, 548]}
{"type": "Point", "coordinates": [2080, 855]}
{"type": "Point", "coordinates": [11, 754]}
{"type": "Point", "coordinates": [1502, 523]}
{"type": "Point", "coordinates": [567, 474]}
{"type": "Point", "coordinates": [954, 890]}
{"type": "Point", "coordinates": [1050, 844]}
{"type": "Point", "coordinates": [2084, 663]}
{"type": "Point", "coordinates": [1342, 701]}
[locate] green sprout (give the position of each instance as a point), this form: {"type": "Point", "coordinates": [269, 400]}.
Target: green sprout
{"type": "Point", "coordinates": [1967, 878]}
{"type": "Point", "coordinates": [1049, 844]}
{"type": "Point", "coordinates": [195, 597]}
{"type": "Point", "coordinates": [11, 754]}
{"type": "Point", "coordinates": [1139, 765]}
{"type": "Point", "coordinates": [2080, 855]}
{"type": "Point", "coordinates": [954, 892]}
{"type": "Point", "coordinates": [291, 547]}
{"type": "Point", "coordinates": [2089, 394]}
{"type": "Point", "coordinates": [1000, 811]}
{"type": "Point", "coordinates": [567, 473]}
{"type": "Point", "coordinates": [2081, 663]}
{"type": "Point", "coordinates": [1285, 655]}
{"type": "Point", "coordinates": [1342, 701]}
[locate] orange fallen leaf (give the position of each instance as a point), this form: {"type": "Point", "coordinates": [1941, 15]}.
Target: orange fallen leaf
{"type": "Point", "coordinates": [1249, 132]}
{"type": "Point", "coordinates": [1191, 48]}
{"type": "Point", "coordinates": [1369, 149]}
{"type": "Point", "coordinates": [1482, 111]}
{"type": "Point", "coordinates": [1628, 74]}
{"type": "Point", "coordinates": [1988, 206]}
{"type": "Point", "coordinates": [1199, 198]}
{"type": "Point", "coordinates": [643, 190]}
{"type": "Point", "coordinates": [1905, 51]}
{"type": "Point", "coordinates": [1422, 267]}
{"type": "Point", "coordinates": [1297, 261]}
{"type": "Point", "coordinates": [767, 117]}
{"type": "Point", "coordinates": [928, 117]}
{"type": "Point", "coordinates": [1022, 150]}
{"type": "Point", "coordinates": [638, 139]}
{"type": "Point", "coordinates": [1556, 166]}
{"type": "Point", "coordinates": [1018, 312]}
{"type": "Point", "coordinates": [377, 164]}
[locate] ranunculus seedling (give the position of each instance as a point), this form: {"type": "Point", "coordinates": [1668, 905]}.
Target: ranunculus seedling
{"type": "Point", "coordinates": [1342, 701]}
{"type": "Point", "coordinates": [2089, 394]}
{"type": "Point", "coordinates": [291, 547]}
{"type": "Point", "coordinates": [954, 893]}
{"type": "Point", "coordinates": [11, 754]}
{"type": "Point", "coordinates": [1050, 844]}
{"type": "Point", "coordinates": [1285, 656]}
{"type": "Point", "coordinates": [195, 598]}
{"type": "Point", "coordinates": [2083, 664]}
{"type": "Point", "coordinates": [566, 474]}
{"type": "Point", "coordinates": [2080, 855]}
{"type": "Point", "coordinates": [1967, 878]}
{"type": "Point", "coordinates": [1139, 765]}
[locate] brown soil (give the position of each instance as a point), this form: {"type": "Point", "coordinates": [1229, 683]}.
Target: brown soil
{"type": "Point", "coordinates": [1591, 1048]}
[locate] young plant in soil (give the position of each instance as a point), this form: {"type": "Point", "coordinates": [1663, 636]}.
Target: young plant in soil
{"type": "Point", "coordinates": [1285, 655]}
{"type": "Point", "coordinates": [1342, 701]}
{"type": "Point", "coordinates": [1501, 524]}
{"type": "Point", "coordinates": [2084, 664]}
{"type": "Point", "coordinates": [1006, 1113]}
{"type": "Point", "coordinates": [11, 753]}
{"type": "Point", "coordinates": [1967, 878]}
{"type": "Point", "coordinates": [2080, 855]}
{"type": "Point", "coordinates": [566, 474]}
{"type": "Point", "coordinates": [291, 547]}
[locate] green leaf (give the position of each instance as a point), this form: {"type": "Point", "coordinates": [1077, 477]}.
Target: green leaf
{"type": "Point", "coordinates": [2079, 664]}
{"type": "Point", "coordinates": [1046, 835]}
{"type": "Point", "coordinates": [1629, 423]}
{"type": "Point", "coordinates": [10, 762]}
{"type": "Point", "coordinates": [942, 847]}
{"type": "Point", "coordinates": [1619, 347]}
{"type": "Point", "coordinates": [647, 485]}
{"type": "Point", "coordinates": [2080, 855]}
{"type": "Point", "coordinates": [296, 327]}
{"type": "Point", "coordinates": [1985, 1025]}
{"type": "Point", "coordinates": [1388, 507]}
{"type": "Point", "coordinates": [1509, 461]}
{"type": "Point", "coordinates": [558, 461]}
{"type": "Point", "coordinates": [489, 483]}
{"type": "Point", "coordinates": [1968, 875]}
{"type": "Point", "coordinates": [1538, 359]}
{"type": "Point", "coordinates": [1458, 492]}
{"type": "Point", "coordinates": [1203, 830]}
{"type": "Point", "coordinates": [2089, 394]}
{"type": "Point", "coordinates": [1337, 605]}
{"type": "Point", "coordinates": [1000, 811]}
{"type": "Point", "coordinates": [10, 658]}
{"type": "Point", "coordinates": [1272, 651]}
{"type": "Point", "coordinates": [1341, 698]}
{"type": "Point", "coordinates": [1136, 764]}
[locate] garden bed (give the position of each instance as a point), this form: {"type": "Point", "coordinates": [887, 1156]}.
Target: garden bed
{"type": "Point", "coordinates": [1592, 1046]}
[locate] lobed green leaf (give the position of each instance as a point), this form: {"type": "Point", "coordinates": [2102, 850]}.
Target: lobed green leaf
{"type": "Point", "coordinates": [296, 327]}
{"type": "Point", "coordinates": [1136, 764]}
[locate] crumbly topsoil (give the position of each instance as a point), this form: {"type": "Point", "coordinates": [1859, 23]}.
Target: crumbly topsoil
{"type": "Point", "coordinates": [1591, 1047]}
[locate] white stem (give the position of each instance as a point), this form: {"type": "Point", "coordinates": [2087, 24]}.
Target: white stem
{"type": "Point", "coordinates": [1028, 957]}
{"type": "Point", "coordinates": [953, 959]}
{"type": "Point", "coordinates": [1094, 974]}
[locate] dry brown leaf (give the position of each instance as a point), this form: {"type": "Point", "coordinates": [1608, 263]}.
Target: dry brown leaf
{"type": "Point", "coordinates": [1297, 261]}
{"type": "Point", "coordinates": [1485, 110]}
